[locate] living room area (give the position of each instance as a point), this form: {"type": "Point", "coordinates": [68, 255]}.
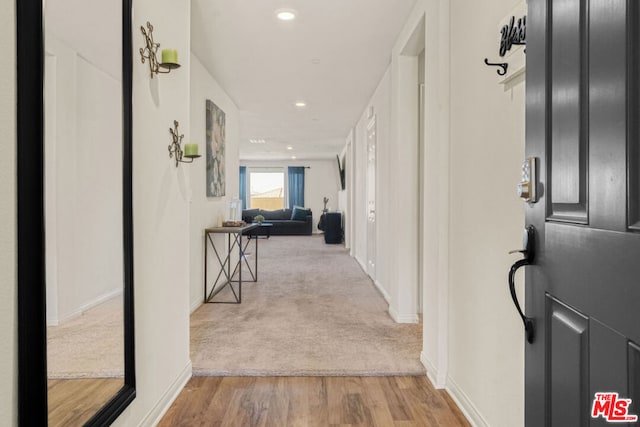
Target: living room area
{"type": "Point", "coordinates": [276, 185]}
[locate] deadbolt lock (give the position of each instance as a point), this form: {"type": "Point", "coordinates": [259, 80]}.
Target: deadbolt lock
{"type": "Point", "coordinates": [523, 190]}
{"type": "Point", "coordinates": [527, 188]}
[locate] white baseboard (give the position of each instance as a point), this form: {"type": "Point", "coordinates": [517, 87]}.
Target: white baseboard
{"type": "Point", "coordinates": [439, 380]}
{"type": "Point", "coordinates": [363, 266]}
{"type": "Point", "coordinates": [378, 285]}
{"type": "Point", "coordinates": [468, 409]}
{"type": "Point", "coordinates": [195, 305]}
{"type": "Point", "coordinates": [158, 411]}
{"type": "Point", "coordinates": [402, 318]}
{"type": "Point", "coordinates": [382, 290]}
{"type": "Point", "coordinates": [83, 308]}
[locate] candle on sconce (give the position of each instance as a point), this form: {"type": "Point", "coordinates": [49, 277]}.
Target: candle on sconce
{"type": "Point", "coordinates": [190, 150]}
{"type": "Point", "coordinates": [169, 56]}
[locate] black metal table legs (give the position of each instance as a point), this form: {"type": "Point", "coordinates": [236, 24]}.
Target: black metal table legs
{"type": "Point", "coordinates": [234, 240]}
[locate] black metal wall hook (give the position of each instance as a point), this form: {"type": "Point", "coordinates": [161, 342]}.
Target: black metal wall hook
{"type": "Point", "coordinates": [503, 66]}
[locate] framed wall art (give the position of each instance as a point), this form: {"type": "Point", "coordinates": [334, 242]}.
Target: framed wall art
{"type": "Point", "coordinates": [215, 131]}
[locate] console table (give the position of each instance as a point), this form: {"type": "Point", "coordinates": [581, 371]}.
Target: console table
{"type": "Point", "coordinates": [234, 240]}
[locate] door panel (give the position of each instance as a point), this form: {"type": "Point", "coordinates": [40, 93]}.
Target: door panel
{"type": "Point", "coordinates": [583, 290]}
{"type": "Point", "coordinates": [569, 361]}
{"type": "Point", "coordinates": [633, 112]}
{"type": "Point", "coordinates": [607, 114]}
{"type": "Point", "coordinates": [567, 151]}
{"type": "Point", "coordinates": [607, 348]}
{"type": "Point", "coordinates": [608, 291]}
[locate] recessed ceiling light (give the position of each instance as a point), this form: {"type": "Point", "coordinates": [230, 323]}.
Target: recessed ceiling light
{"type": "Point", "coordinates": [289, 147]}
{"type": "Point", "coordinates": [293, 157]}
{"type": "Point", "coordinates": [301, 104]}
{"type": "Point", "coordinates": [286, 14]}
{"type": "Point", "coordinates": [257, 141]}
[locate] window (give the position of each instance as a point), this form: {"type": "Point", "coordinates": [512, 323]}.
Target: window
{"type": "Point", "coordinates": [267, 189]}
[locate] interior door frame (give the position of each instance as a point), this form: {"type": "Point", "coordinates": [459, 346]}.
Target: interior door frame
{"type": "Point", "coordinates": [32, 341]}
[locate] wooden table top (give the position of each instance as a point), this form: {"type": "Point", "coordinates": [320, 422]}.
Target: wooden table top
{"type": "Point", "coordinates": [230, 229]}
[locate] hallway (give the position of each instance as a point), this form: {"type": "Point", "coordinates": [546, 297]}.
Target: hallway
{"type": "Point", "coordinates": [300, 96]}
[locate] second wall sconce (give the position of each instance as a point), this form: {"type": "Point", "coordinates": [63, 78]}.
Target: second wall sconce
{"type": "Point", "coordinates": [190, 150]}
{"type": "Point", "coordinates": [150, 52]}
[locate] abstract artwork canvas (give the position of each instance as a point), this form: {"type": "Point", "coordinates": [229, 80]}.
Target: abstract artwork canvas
{"type": "Point", "coordinates": [215, 150]}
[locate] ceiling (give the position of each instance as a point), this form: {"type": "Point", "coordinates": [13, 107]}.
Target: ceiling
{"type": "Point", "coordinates": [332, 56]}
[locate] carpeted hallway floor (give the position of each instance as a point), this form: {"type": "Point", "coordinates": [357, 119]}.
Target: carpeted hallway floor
{"type": "Point", "coordinates": [312, 312]}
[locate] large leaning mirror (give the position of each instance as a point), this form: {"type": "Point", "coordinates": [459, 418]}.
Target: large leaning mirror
{"type": "Point", "coordinates": [75, 303]}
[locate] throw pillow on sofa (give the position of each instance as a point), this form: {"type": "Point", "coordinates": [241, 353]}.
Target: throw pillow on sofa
{"type": "Point", "coordinates": [300, 214]}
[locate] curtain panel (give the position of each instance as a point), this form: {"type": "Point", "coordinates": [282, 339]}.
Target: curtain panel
{"type": "Point", "coordinates": [296, 186]}
{"type": "Point", "coordinates": [243, 186]}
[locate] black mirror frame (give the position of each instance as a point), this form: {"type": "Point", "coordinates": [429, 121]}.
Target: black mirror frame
{"type": "Point", "coordinates": [32, 341]}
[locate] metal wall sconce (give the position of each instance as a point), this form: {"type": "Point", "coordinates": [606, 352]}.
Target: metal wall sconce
{"type": "Point", "coordinates": [190, 150]}
{"type": "Point", "coordinates": [149, 53]}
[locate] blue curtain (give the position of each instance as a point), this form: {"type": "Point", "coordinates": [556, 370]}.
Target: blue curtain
{"type": "Point", "coordinates": [296, 186]}
{"type": "Point", "coordinates": [243, 186]}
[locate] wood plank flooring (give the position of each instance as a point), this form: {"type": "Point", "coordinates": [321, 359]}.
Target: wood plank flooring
{"type": "Point", "coordinates": [312, 401]}
{"type": "Point", "coordinates": [72, 402]}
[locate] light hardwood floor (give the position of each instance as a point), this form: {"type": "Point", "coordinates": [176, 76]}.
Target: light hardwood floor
{"type": "Point", "coordinates": [312, 401]}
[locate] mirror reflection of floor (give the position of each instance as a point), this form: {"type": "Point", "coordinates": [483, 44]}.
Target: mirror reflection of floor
{"type": "Point", "coordinates": [85, 363]}
{"type": "Point", "coordinates": [90, 345]}
{"type": "Point", "coordinates": [72, 402]}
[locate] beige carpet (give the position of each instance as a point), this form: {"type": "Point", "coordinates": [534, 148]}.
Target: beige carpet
{"type": "Point", "coordinates": [312, 312]}
{"type": "Point", "coordinates": [88, 346]}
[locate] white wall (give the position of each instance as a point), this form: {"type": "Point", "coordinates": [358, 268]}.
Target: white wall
{"type": "Point", "coordinates": [486, 344]}
{"type": "Point", "coordinates": [322, 180]}
{"type": "Point", "coordinates": [433, 17]}
{"type": "Point", "coordinates": [204, 211]}
{"type": "Point", "coordinates": [161, 217]}
{"type": "Point", "coordinates": [83, 183]}
{"type": "Point", "coordinates": [8, 229]}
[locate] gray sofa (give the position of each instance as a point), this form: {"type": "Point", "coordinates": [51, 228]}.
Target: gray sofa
{"type": "Point", "coordinates": [283, 224]}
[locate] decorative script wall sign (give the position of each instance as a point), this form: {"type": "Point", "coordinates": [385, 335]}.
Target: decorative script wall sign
{"type": "Point", "coordinates": [513, 33]}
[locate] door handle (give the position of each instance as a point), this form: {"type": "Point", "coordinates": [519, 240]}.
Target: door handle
{"type": "Point", "coordinates": [528, 252]}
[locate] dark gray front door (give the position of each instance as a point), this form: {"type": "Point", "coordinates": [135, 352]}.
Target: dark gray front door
{"type": "Point", "coordinates": [583, 290]}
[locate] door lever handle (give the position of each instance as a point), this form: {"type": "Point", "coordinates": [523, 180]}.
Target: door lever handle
{"type": "Point", "coordinates": [528, 253]}
{"type": "Point", "coordinates": [527, 321]}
